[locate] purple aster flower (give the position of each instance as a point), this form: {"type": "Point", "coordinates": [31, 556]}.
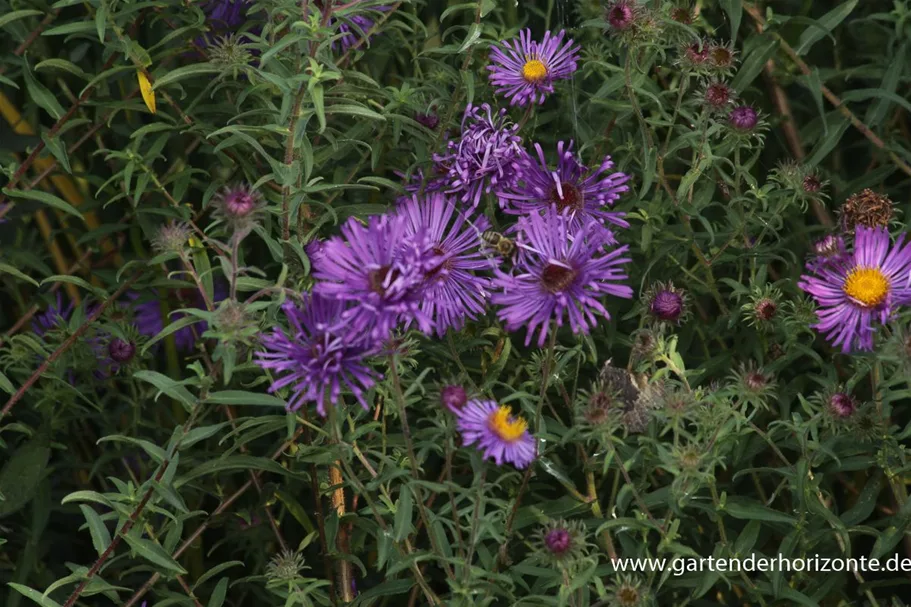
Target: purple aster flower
{"type": "Point", "coordinates": [563, 269]}
{"type": "Point", "coordinates": [744, 118]}
{"type": "Point", "coordinates": [453, 397]}
{"type": "Point", "coordinates": [572, 187]}
{"type": "Point", "coordinates": [864, 288]}
{"type": "Point", "coordinates": [453, 291]}
{"type": "Point", "coordinates": [487, 157]}
{"type": "Point", "coordinates": [496, 433]}
{"type": "Point", "coordinates": [355, 28]}
{"type": "Point", "coordinates": [524, 70]}
{"type": "Point", "coordinates": [381, 269]}
{"type": "Point", "coordinates": [830, 251]}
{"type": "Point", "coordinates": [56, 315]}
{"type": "Point", "coordinates": [226, 15]}
{"type": "Point", "coordinates": [147, 315]}
{"type": "Point", "coordinates": [317, 360]}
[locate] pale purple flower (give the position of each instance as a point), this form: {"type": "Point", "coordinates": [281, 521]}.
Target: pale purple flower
{"type": "Point", "coordinates": [867, 287]}
{"type": "Point", "coordinates": [571, 187]}
{"type": "Point", "coordinates": [524, 70]}
{"type": "Point", "coordinates": [317, 359]}
{"type": "Point", "coordinates": [487, 156]}
{"type": "Point", "coordinates": [563, 270]}
{"type": "Point", "coordinates": [380, 268]}
{"type": "Point", "coordinates": [496, 433]}
{"type": "Point", "coordinates": [454, 291]}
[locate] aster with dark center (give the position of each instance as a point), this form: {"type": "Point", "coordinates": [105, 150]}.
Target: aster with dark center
{"type": "Point", "coordinates": [524, 70]}
{"type": "Point", "coordinates": [865, 289]}
{"type": "Point", "coordinates": [317, 358]}
{"type": "Point", "coordinates": [496, 433]}
{"type": "Point", "coordinates": [571, 188]}
{"type": "Point", "coordinates": [621, 15]}
{"type": "Point", "coordinates": [381, 269]}
{"type": "Point", "coordinates": [487, 156]}
{"type": "Point", "coordinates": [454, 290]}
{"type": "Point", "coordinates": [563, 270]}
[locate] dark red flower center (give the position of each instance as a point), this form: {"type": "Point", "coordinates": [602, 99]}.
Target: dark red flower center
{"type": "Point", "coordinates": [446, 265]}
{"type": "Point", "coordinates": [557, 278]}
{"type": "Point", "coordinates": [380, 279]}
{"type": "Point", "coordinates": [572, 197]}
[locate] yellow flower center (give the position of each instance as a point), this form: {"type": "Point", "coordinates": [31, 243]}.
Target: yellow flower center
{"type": "Point", "coordinates": [534, 70]}
{"type": "Point", "coordinates": [867, 286]}
{"type": "Point", "coordinates": [505, 426]}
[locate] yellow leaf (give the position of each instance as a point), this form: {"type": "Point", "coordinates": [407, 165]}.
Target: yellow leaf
{"type": "Point", "coordinates": [145, 87]}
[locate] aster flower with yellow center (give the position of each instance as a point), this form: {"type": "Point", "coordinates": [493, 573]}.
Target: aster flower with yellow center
{"type": "Point", "coordinates": [873, 279]}
{"type": "Point", "coordinates": [496, 433]}
{"type": "Point", "coordinates": [524, 70]}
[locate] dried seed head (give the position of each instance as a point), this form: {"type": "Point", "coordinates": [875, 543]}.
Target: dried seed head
{"type": "Point", "coordinates": [172, 237]}
{"type": "Point", "coordinates": [866, 208]}
{"type": "Point", "coordinates": [722, 56]}
{"type": "Point", "coordinates": [628, 592]}
{"type": "Point", "coordinates": [766, 309]}
{"type": "Point", "coordinates": [718, 95]}
{"type": "Point", "coordinates": [811, 184]}
{"type": "Point", "coordinates": [682, 15]}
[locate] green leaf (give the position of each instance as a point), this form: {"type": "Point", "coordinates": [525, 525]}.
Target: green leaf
{"type": "Point", "coordinates": [826, 23]}
{"type": "Point", "coordinates": [403, 512]}
{"type": "Point", "coordinates": [101, 17]}
{"type": "Point", "coordinates": [34, 595]}
{"type": "Point", "coordinates": [215, 571]}
{"type": "Point", "coordinates": [79, 282]}
{"type": "Point", "coordinates": [62, 64]}
{"type": "Point", "coordinates": [199, 434]}
{"type": "Point", "coordinates": [218, 595]}
{"type": "Point", "coordinates": [754, 62]}
{"type": "Point", "coordinates": [474, 33]}
{"type": "Point", "coordinates": [749, 509]}
{"type": "Point", "coordinates": [877, 112]}
{"type": "Point", "coordinates": [234, 462]}
{"type": "Point", "coordinates": [168, 386]}
{"type": "Point", "coordinates": [355, 110]}
{"type": "Point", "coordinates": [242, 397]}
{"type": "Point", "coordinates": [6, 385]}
{"type": "Point", "coordinates": [58, 150]}
{"type": "Point", "coordinates": [16, 15]}
{"type": "Point", "coordinates": [76, 27]}
{"type": "Point", "coordinates": [43, 97]}
{"type": "Point", "coordinates": [22, 473]}
{"type": "Point", "coordinates": [316, 95]}
{"type": "Point", "coordinates": [196, 69]}
{"type": "Point", "coordinates": [8, 269]}
{"type": "Point", "coordinates": [173, 327]}
{"type": "Point", "coordinates": [866, 502]}
{"type": "Point", "coordinates": [44, 198]}
{"type": "Point", "coordinates": [828, 143]}
{"type": "Point", "coordinates": [154, 451]}
{"type": "Point", "coordinates": [153, 553]}
{"type": "Point", "coordinates": [734, 9]}
{"type": "Point", "coordinates": [101, 537]}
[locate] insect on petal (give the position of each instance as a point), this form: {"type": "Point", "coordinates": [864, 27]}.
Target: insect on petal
{"type": "Point", "coordinates": [145, 87]}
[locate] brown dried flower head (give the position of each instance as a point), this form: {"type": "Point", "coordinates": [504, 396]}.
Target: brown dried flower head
{"type": "Point", "coordinates": [866, 208]}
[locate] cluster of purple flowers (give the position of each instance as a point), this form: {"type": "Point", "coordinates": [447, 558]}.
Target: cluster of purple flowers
{"type": "Point", "coordinates": [426, 265]}
{"type": "Point", "coordinates": [856, 288]}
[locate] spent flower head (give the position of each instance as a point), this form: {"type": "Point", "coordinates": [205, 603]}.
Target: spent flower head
{"type": "Point", "coordinates": [562, 544]}
{"type": "Point", "coordinates": [285, 568]}
{"type": "Point", "coordinates": [866, 208]}
{"type": "Point", "coordinates": [173, 237]}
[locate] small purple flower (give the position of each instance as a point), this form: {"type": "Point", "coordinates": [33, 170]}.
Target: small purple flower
{"type": "Point", "coordinates": [841, 405]}
{"type": "Point", "coordinates": [121, 351]}
{"type": "Point", "coordinates": [147, 315]}
{"type": "Point", "coordinates": [557, 541]}
{"type": "Point", "coordinates": [666, 305]}
{"type": "Point", "coordinates": [355, 28]}
{"type": "Point", "coordinates": [56, 315]}
{"type": "Point", "coordinates": [453, 291]}
{"type": "Point", "coordinates": [496, 432]}
{"type": "Point", "coordinates": [621, 15]}
{"type": "Point", "coordinates": [380, 268]}
{"type": "Point", "coordinates": [866, 287]}
{"type": "Point", "coordinates": [744, 118]}
{"type": "Point", "coordinates": [572, 187]}
{"type": "Point", "coordinates": [238, 202]}
{"type": "Point", "coordinates": [429, 119]}
{"type": "Point", "coordinates": [453, 398]}
{"type": "Point", "coordinates": [563, 269]}
{"type": "Point", "coordinates": [317, 359]}
{"type": "Point", "coordinates": [487, 157]}
{"type": "Point", "coordinates": [524, 70]}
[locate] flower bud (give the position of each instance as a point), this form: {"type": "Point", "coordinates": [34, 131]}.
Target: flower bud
{"type": "Point", "coordinates": [121, 351]}
{"type": "Point", "coordinates": [744, 118]}
{"type": "Point", "coordinates": [453, 397]}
